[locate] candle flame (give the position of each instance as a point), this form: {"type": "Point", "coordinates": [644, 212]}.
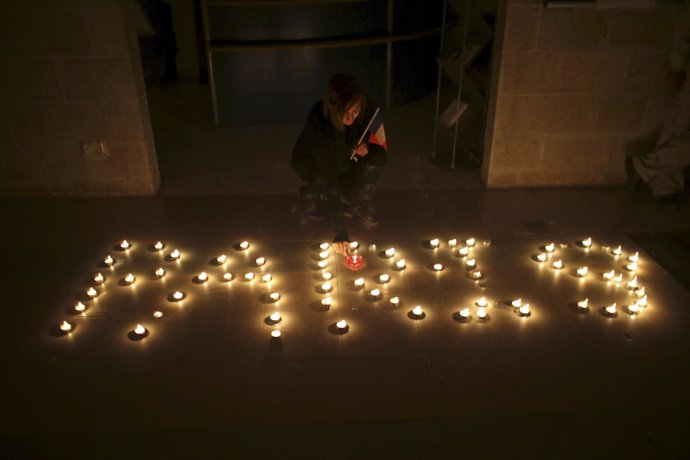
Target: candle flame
{"type": "Point", "coordinates": [517, 303]}
{"type": "Point", "coordinates": [65, 326]}
{"type": "Point", "coordinates": [470, 242]}
{"type": "Point", "coordinates": [583, 303]}
{"type": "Point", "coordinates": [342, 324]}
{"type": "Point", "coordinates": [434, 242]}
{"type": "Point", "coordinates": [139, 330]}
{"type": "Point", "coordinates": [582, 271]}
{"type": "Point", "coordinates": [275, 316]}
{"type": "Point", "coordinates": [395, 300]}
{"type": "Point", "coordinates": [417, 311]}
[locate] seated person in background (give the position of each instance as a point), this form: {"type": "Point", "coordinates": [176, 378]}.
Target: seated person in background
{"type": "Point", "coordinates": [662, 167]}
{"type": "Point", "coordinates": [339, 173]}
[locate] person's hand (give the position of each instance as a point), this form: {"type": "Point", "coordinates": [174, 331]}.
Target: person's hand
{"type": "Point", "coordinates": [361, 150]}
{"type": "Point", "coordinates": [676, 79]}
{"type": "Point", "coordinates": [342, 248]}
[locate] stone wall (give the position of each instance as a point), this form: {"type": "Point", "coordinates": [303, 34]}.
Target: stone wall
{"type": "Point", "coordinates": [71, 73]}
{"type": "Point", "coordinates": [574, 90]}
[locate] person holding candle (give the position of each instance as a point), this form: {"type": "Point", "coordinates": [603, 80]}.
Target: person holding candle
{"type": "Point", "coordinates": [662, 168]}
{"type": "Point", "coordinates": [339, 171]}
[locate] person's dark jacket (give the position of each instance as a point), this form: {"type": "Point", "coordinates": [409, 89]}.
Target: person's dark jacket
{"type": "Point", "coordinates": [322, 155]}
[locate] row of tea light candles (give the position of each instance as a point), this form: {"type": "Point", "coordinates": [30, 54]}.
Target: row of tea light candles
{"type": "Point", "coordinates": [417, 311]}
{"type": "Point", "coordinates": [632, 265]}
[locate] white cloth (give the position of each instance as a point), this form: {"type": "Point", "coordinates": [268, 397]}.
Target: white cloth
{"type": "Point", "coordinates": [663, 167]}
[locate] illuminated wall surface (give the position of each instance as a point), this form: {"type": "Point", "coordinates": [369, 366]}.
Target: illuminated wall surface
{"type": "Point", "coordinates": [151, 285]}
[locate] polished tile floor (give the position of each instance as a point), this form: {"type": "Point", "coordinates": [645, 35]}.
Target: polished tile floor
{"type": "Point", "coordinates": [209, 381]}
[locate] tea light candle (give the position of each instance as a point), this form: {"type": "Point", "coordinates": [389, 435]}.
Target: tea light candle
{"type": "Point", "coordinates": [275, 334]}
{"type": "Point", "coordinates": [632, 284]}
{"type": "Point", "coordinates": [99, 278]}
{"type": "Point", "coordinates": [375, 292]}
{"type": "Point", "coordinates": [471, 263]}
{"type": "Point", "coordinates": [324, 254]}
{"type": "Point", "coordinates": [79, 307]}
{"type": "Point", "coordinates": [633, 308]}
{"type": "Point", "coordinates": [157, 314]}
{"type": "Point", "coordinates": [640, 292]}
{"type": "Point", "coordinates": [260, 261]}
{"type": "Point", "coordinates": [482, 302]}
{"type": "Point", "coordinates": [158, 246]}
{"type": "Point", "coordinates": [327, 275]}
{"type": "Point", "coordinates": [178, 295]}
{"type": "Point", "coordinates": [395, 301]}
{"type": "Point", "coordinates": [463, 251]}
{"type": "Point", "coordinates": [160, 273]}
{"type": "Point", "coordinates": [616, 251]}
{"type": "Point", "coordinates": [524, 310]}
{"type": "Point", "coordinates": [125, 244]}
{"type": "Point", "coordinates": [438, 267]}
{"type": "Point", "coordinates": [203, 277]}
{"type": "Point", "coordinates": [550, 247]}
{"type": "Point", "coordinates": [634, 258]}
{"type": "Point", "coordinates": [618, 279]}
{"type": "Point", "coordinates": [275, 317]}
{"type": "Point", "coordinates": [401, 264]}
{"type": "Point", "coordinates": [582, 272]}
{"type": "Point", "coordinates": [642, 301]}
{"type": "Point", "coordinates": [221, 259]}
{"type": "Point", "coordinates": [517, 303]}
{"type": "Point", "coordinates": [109, 261]}
{"type": "Point", "coordinates": [65, 326]}
{"type": "Point", "coordinates": [390, 252]}
{"type": "Point", "coordinates": [609, 275]}
{"type": "Point", "coordinates": [384, 278]}
{"type": "Point", "coordinates": [481, 313]}
{"type": "Point", "coordinates": [139, 330]}
{"type": "Point", "coordinates": [359, 282]}
{"type": "Point", "coordinates": [266, 278]}
{"type": "Point", "coordinates": [91, 292]}
{"type": "Point", "coordinates": [583, 304]}
{"type": "Point", "coordinates": [326, 287]}
{"type": "Point", "coordinates": [477, 275]}
{"type": "Point", "coordinates": [354, 245]}
{"type": "Point", "coordinates": [631, 267]}
{"type": "Point", "coordinates": [587, 243]}
{"type": "Point", "coordinates": [228, 276]}
{"type": "Point", "coordinates": [324, 246]}
{"type": "Point", "coordinates": [417, 311]}
{"type": "Point", "coordinates": [452, 242]}
{"type": "Point", "coordinates": [129, 279]}
{"type": "Point", "coordinates": [558, 264]}
{"type": "Point", "coordinates": [322, 264]}
{"type": "Point", "coordinates": [434, 243]}
{"type": "Point", "coordinates": [470, 242]}
{"type": "Point", "coordinates": [274, 296]}
{"type": "Point", "coordinates": [175, 254]}
{"type": "Point", "coordinates": [465, 313]}
{"type": "Point", "coordinates": [342, 324]}
{"type": "Point", "coordinates": [326, 302]}
{"type": "Point", "coordinates": [249, 276]}
{"type": "Point", "coordinates": [244, 245]}
{"type": "Point", "coordinates": [541, 257]}
{"type": "Point", "coordinates": [611, 309]}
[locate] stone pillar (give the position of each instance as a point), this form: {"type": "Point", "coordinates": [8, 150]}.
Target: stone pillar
{"type": "Point", "coordinates": [574, 90]}
{"type": "Point", "coordinates": [71, 74]}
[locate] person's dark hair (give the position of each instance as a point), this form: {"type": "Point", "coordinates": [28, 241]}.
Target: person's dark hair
{"type": "Point", "coordinates": [343, 92]}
